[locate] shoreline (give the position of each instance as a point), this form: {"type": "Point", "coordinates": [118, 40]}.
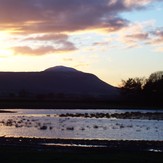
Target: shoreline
{"type": "Point", "coordinates": [52, 104]}
{"type": "Point", "coordinates": [54, 143]}
{"type": "Point", "coordinates": [34, 150]}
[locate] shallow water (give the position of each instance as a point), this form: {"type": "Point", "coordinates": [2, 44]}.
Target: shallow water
{"type": "Point", "coordinates": [48, 124]}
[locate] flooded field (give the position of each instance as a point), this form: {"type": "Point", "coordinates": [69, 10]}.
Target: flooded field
{"type": "Point", "coordinates": [83, 124]}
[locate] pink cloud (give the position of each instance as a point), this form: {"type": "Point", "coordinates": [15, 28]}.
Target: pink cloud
{"type": "Point", "coordinates": [48, 37]}
{"type": "Point", "coordinates": [52, 21]}
{"type": "Point", "coordinates": [42, 50]}
{"type": "Point", "coordinates": [156, 39]}
{"type": "Point", "coordinates": [46, 44]}
{"type": "Point", "coordinates": [43, 16]}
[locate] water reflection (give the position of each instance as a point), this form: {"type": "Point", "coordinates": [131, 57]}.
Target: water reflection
{"type": "Point", "coordinates": [52, 124]}
{"type": "Point", "coordinates": [75, 145]}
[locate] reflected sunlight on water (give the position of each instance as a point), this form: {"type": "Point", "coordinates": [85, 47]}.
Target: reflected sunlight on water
{"type": "Point", "coordinates": [49, 124]}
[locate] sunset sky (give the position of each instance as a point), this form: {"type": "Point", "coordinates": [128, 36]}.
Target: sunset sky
{"type": "Point", "coordinates": [113, 39]}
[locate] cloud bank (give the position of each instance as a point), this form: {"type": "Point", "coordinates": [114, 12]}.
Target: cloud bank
{"type": "Point", "coordinates": [53, 21]}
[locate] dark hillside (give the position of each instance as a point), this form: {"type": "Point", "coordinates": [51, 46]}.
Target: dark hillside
{"type": "Point", "coordinates": [55, 82]}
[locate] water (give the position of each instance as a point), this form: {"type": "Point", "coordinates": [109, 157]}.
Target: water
{"type": "Point", "coordinates": [49, 124]}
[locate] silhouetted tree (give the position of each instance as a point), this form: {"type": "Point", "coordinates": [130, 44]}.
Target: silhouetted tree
{"type": "Point", "coordinates": [153, 88]}
{"type": "Point", "coordinates": [132, 88]}
{"type": "Point", "coordinates": [156, 76]}
{"type": "Point", "coordinates": [149, 90]}
{"type": "Point", "coordinates": [133, 85]}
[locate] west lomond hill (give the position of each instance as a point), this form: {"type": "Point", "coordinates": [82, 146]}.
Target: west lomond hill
{"type": "Point", "coordinates": [54, 81]}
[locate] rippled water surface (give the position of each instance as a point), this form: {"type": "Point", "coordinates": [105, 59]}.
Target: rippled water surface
{"type": "Point", "coordinates": [50, 124]}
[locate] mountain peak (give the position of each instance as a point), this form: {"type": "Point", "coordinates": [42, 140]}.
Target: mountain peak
{"type": "Point", "coordinates": [60, 69]}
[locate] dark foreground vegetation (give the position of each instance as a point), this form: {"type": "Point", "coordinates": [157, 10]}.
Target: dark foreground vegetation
{"type": "Point", "coordinates": [143, 90]}
{"type": "Point", "coordinates": [35, 150]}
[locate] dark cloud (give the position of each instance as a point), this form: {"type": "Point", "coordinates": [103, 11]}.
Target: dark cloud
{"type": "Point", "coordinates": [138, 36]}
{"type": "Point", "coordinates": [43, 16]}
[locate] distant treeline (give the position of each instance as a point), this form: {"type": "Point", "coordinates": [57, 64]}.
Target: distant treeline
{"type": "Point", "coordinates": [144, 90]}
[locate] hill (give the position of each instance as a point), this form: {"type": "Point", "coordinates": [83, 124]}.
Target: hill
{"type": "Point", "coordinates": [56, 81]}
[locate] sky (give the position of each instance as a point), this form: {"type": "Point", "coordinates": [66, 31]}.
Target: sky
{"type": "Point", "coordinates": [113, 39]}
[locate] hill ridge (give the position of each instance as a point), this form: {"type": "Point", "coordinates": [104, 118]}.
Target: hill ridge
{"type": "Point", "coordinates": [46, 82]}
